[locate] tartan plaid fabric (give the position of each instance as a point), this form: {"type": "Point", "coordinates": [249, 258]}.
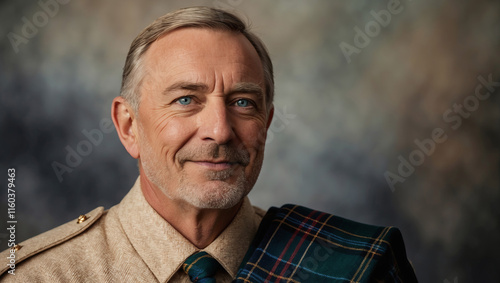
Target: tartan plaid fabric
{"type": "Point", "coordinates": [201, 267]}
{"type": "Point", "coordinates": [297, 244]}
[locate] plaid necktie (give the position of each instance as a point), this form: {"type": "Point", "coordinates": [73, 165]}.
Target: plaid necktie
{"type": "Point", "coordinates": [201, 267]}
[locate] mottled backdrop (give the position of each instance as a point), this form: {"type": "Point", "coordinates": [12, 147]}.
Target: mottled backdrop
{"type": "Point", "coordinates": [387, 113]}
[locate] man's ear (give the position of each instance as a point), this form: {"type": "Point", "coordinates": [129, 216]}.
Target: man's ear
{"type": "Point", "coordinates": [270, 116]}
{"type": "Point", "coordinates": [126, 125]}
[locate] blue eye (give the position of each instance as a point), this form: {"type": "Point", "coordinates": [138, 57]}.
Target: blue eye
{"type": "Point", "coordinates": [185, 100]}
{"type": "Point", "coordinates": [242, 103]}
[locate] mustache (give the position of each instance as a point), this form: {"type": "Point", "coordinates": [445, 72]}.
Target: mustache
{"type": "Point", "coordinates": [215, 151]}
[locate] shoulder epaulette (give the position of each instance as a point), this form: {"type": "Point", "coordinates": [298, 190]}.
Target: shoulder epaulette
{"type": "Point", "coordinates": [49, 239]}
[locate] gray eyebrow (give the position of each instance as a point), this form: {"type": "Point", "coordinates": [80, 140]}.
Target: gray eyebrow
{"type": "Point", "coordinates": [247, 87]}
{"type": "Point", "coordinates": [242, 87]}
{"type": "Point", "coordinates": [185, 86]}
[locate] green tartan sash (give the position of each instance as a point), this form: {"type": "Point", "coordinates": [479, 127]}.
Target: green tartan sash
{"type": "Point", "coordinates": [297, 244]}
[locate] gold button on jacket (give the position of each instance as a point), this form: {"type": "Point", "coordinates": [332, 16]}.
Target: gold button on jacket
{"type": "Point", "coordinates": [128, 243]}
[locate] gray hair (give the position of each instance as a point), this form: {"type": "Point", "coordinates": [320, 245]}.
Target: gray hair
{"type": "Point", "coordinates": [201, 17]}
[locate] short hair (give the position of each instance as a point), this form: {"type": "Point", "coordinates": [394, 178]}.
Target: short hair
{"type": "Point", "coordinates": [201, 17]}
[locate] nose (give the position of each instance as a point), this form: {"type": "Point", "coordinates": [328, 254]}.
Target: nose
{"type": "Point", "coordinates": [215, 123]}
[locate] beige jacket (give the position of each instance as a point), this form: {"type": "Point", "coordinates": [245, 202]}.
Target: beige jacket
{"type": "Point", "coordinates": [128, 243]}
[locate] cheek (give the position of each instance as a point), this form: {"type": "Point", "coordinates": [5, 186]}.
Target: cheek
{"type": "Point", "coordinates": [253, 135]}
{"type": "Point", "coordinates": [175, 131]}
{"type": "Point", "coordinates": [170, 134]}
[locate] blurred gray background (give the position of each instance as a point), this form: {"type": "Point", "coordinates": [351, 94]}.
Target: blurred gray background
{"type": "Point", "coordinates": [347, 117]}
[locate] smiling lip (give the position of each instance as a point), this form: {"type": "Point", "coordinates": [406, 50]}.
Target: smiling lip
{"type": "Point", "coordinates": [215, 165]}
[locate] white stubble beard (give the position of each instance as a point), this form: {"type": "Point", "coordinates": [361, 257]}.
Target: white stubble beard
{"type": "Point", "coordinates": [211, 195]}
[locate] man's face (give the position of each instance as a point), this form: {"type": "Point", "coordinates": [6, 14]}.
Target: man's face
{"type": "Point", "coordinates": [202, 118]}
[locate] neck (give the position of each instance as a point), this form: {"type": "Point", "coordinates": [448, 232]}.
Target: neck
{"type": "Point", "coordinates": [200, 226]}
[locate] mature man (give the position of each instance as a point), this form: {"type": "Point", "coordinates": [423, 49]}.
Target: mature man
{"type": "Point", "coordinates": [195, 106]}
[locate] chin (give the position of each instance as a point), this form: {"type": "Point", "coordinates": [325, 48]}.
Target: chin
{"type": "Point", "coordinates": [215, 195]}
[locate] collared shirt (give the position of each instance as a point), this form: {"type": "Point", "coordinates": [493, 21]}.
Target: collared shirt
{"type": "Point", "coordinates": [164, 249]}
{"type": "Point", "coordinates": [130, 242]}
